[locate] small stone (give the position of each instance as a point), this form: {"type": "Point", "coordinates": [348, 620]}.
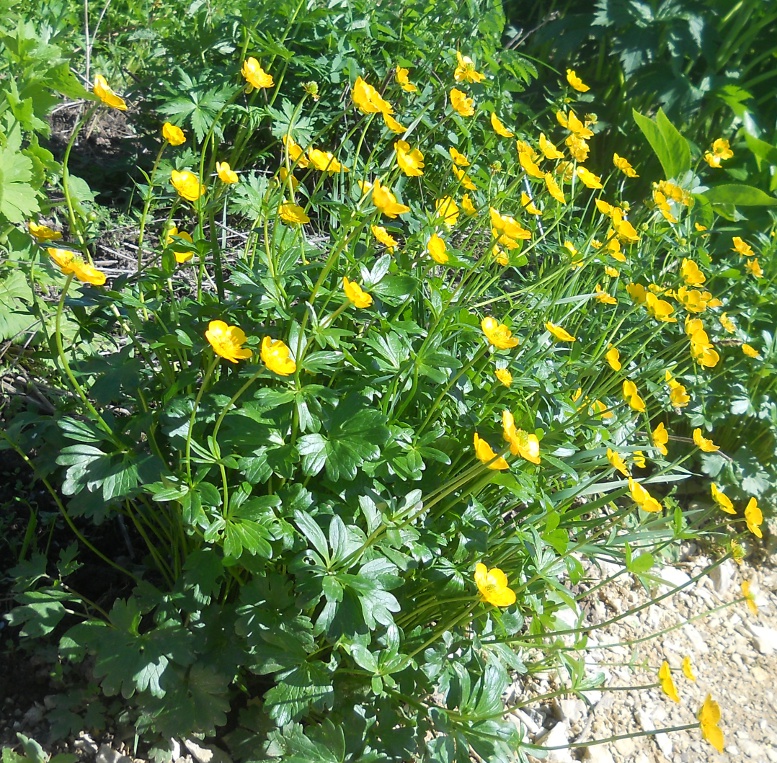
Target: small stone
{"type": "Point", "coordinates": [525, 720]}
{"type": "Point", "coordinates": [33, 716]}
{"type": "Point", "coordinates": [108, 755]}
{"type": "Point", "coordinates": [693, 635]}
{"type": "Point", "coordinates": [50, 701]}
{"type": "Point", "coordinates": [571, 710]}
{"type": "Point", "coordinates": [674, 577]}
{"type": "Point", "coordinates": [722, 576]}
{"type": "Point", "coordinates": [765, 639]}
{"type": "Point", "coordinates": [206, 753]}
{"type": "Point", "coordinates": [598, 753]}
{"type": "Point", "coordinates": [626, 747]}
{"type": "Point", "coordinates": [85, 744]}
{"type": "Point", "coordinates": [558, 737]}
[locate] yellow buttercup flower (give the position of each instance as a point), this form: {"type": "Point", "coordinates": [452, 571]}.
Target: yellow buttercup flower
{"type": "Point", "coordinates": [559, 333]}
{"type": "Point", "coordinates": [463, 178]}
{"type": "Point", "coordinates": [578, 148]}
{"type": "Point", "coordinates": [572, 123]}
{"type": "Point", "coordinates": [276, 356]}
{"type": "Point", "coordinates": [356, 294]}
{"type": "Point", "coordinates": [612, 272]}
{"type": "Point", "coordinates": [741, 246]}
{"type": "Point", "coordinates": [403, 80]}
{"type": "Point", "coordinates": [639, 459]}
{"type": "Point", "coordinates": [498, 334]}
{"type": "Point", "coordinates": [624, 166]}
{"type": "Point", "coordinates": [287, 178]}
{"type": "Point", "coordinates": [324, 161]}
{"type": "Point", "coordinates": [721, 150]}
{"type": "Point", "coordinates": [392, 123]}
{"type": "Point", "coordinates": [385, 238]}
{"type": "Point", "coordinates": [750, 351]}
{"type": "Point", "coordinates": [754, 518]}
{"type": "Point", "coordinates": [720, 498]}
{"type": "Point", "coordinates": [71, 264]}
{"type": "Point", "coordinates": [411, 162]}
{"type": "Point", "coordinates": [702, 443]}
{"type": "Point", "coordinates": [367, 99]}
{"type": "Point", "coordinates": [187, 184]}
{"type": "Point", "coordinates": [504, 376]}
{"type": "Point", "coordinates": [617, 462]}
{"type": "Point", "coordinates": [688, 669]}
{"type": "Point", "coordinates": [104, 92]}
{"type": "Point", "coordinates": [461, 104]}
{"type": "Point", "coordinates": [529, 165]}
{"type": "Point", "coordinates": [386, 202]}
{"type": "Point", "coordinates": [754, 267]}
{"type": "Point", "coordinates": [522, 444]}
{"type": "Point", "coordinates": [749, 598]}
{"type": "Point", "coordinates": [553, 189]}
{"type": "Point", "coordinates": [227, 341]}
{"type": "Point", "coordinates": [226, 173]}
{"type": "Point", "coordinates": [458, 157]}
{"type": "Point", "coordinates": [437, 249]}
{"type": "Point", "coordinates": [576, 82]}
{"type": "Point", "coordinates": [631, 396]}
{"type": "Point", "coordinates": [613, 358]}
{"type": "Point", "coordinates": [172, 134]}
{"type": "Point", "coordinates": [691, 273]}
{"type": "Point", "coordinates": [292, 214]}
{"type": "Point", "coordinates": [43, 233]}
{"type": "Point", "coordinates": [499, 128]}
{"type": "Point", "coordinates": [660, 438]}
{"type": "Point", "coordinates": [678, 395]}
{"type": "Point", "coordinates": [727, 323]}
{"type": "Point", "coordinates": [507, 225]}
{"type": "Point", "coordinates": [529, 205]}
{"type": "Point", "coordinates": [737, 552]}
{"type": "Point", "coordinates": [660, 309]}
{"type": "Point", "coordinates": [642, 497]}
{"type": "Point", "coordinates": [667, 682]}
{"type": "Point", "coordinates": [486, 455]}
{"type": "Point", "coordinates": [448, 210]}
{"type": "Point", "coordinates": [295, 152]}
{"type": "Point", "coordinates": [467, 205]}
{"type": "Point", "coordinates": [709, 718]}
{"type": "Point", "coordinates": [180, 257]}
{"type": "Point", "coordinates": [549, 150]}
{"type": "Point", "coordinates": [493, 587]}
{"type": "Point", "coordinates": [588, 178]}
{"type": "Point", "coordinates": [465, 70]}
{"type": "Point", "coordinates": [255, 76]}
{"type": "Point", "coordinates": [603, 297]}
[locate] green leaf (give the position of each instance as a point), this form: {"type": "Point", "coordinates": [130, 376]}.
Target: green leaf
{"type": "Point", "coordinates": [17, 196]}
{"type": "Point", "coordinates": [308, 685]}
{"type": "Point", "coordinates": [670, 147]}
{"type": "Point", "coordinates": [739, 195]}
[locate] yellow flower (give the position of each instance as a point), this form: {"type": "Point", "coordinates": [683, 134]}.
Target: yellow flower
{"type": "Point", "coordinates": [255, 76]}
{"type": "Point", "coordinates": [678, 395]}
{"type": "Point", "coordinates": [549, 151]}
{"type": "Point", "coordinates": [612, 272]}
{"type": "Point", "coordinates": [553, 189]}
{"type": "Point", "coordinates": [324, 161]}
{"type": "Point", "coordinates": [463, 178]}
{"type": "Point", "coordinates": [688, 669]}
{"type": "Point", "coordinates": [573, 124]}
{"type": "Point", "coordinates": [667, 682]}
{"type": "Point", "coordinates": [522, 444]}
{"type": "Point", "coordinates": [492, 585]}
{"type": "Point", "coordinates": [749, 598]}
{"type": "Point", "coordinates": [755, 268]}
{"type": "Point", "coordinates": [187, 184]}
{"type": "Point", "coordinates": [709, 718]}
{"type": "Point", "coordinates": [750, 351]}
{"type": "Point", "coordinates": [498, 334]}
{"type": "Point", "coordinates": [738, 555]}
{"type": "Point", "coordinates": [642, 497]}
{"type": "Point", "coordinates": [180, 257]}
{"type": "Point", "coordinates": [576, 82]}
{"type": "Point", "coordinates": [367, 99]}
{"type": "Point", "coordinates": [392, 123]}
{"type": "Point", "coordinates": [500, 256]}
{"type": "Point", "coordinates": [386, 202]}
{"type": "Point", "coordinates": [603, 297]}
{"type": "Point", "coordinates": [660, 309]}
{"type": "Point", "coordinates": [623, 228]}
{"type": "Point", "coordinates": [487, 456]}
{"type": "Point", "coordinates": [104, 92]}
{"type": "Point", "coordinates": [559, 333]}
{"type": "Point", "coordinates": [624, 166]}
{"type": "Point", "coordinates": [754, 518]}
{"type": "Point", "coordinates": [727, 323]}
{"type": "Point", "coordinates": [507, 225]}
{"type": "Point", "coordinates": [275, 355]}
{"type": "Point", "coordinates": [721, 148]}
{"type": "Point", "coordinates": [617, 462]}
{"type": "Point", "coordinates": [63, 257]}
{"type": "Point", "coordinates": [467, 205]}
{"type": "Point", "coordinates": [356, 294]}
{"type": "Point", "coordinates": [43, 233]}
{"type": "Point", "coordinates": [639, 459]}
{"type": "Point", "coordinates": [411, 162]}
{"type": "Point", "coordinates": [723, 501]}
{"type": "Point", "coordinates": [465, 70]}
{"type": "Point", "coordinates": [504, 376]}
{"type": "Point", "coordinates": [702, 443]}
{"type": "Point", "coordinates": [691, 273]}
{"type": "Point", "coordinates": [631, 396]}
{"type": "Point", "coordinates": [448, 210]}
{"type": "Point", "coordinates": [384, 237]}
{"type": "Point", "coordinates": [712, 160]}
{"type": "Point", "coordinates": [637, 292]}
{"type": "Point", "coordinates": [403, 81]}
{"type": "Point", "coordinates": [226, 173]}
{"type": "Point", "coordinates": [70, 264]}
{"type": "Point", "coordinates": [227, 341]}
{"type": "Point", "coordinates": [613, 358]}
{"type": "Point", "coordinates": [742, 247]}
{"type": "Point", "coordinates": [528, 204]}
{"type": "Point", "coordinates": [437, 249]}
{"type": "Point", "coordinates": [292, 214]}
{"type": "Point", "coordinates": [296, 154]}
{"type": "Point", "coordinates": [461, 104]}
{"type": "Point", "coordinates": [529, 165]}
{"type": "Point", "coordinates": [458, 157]}
{"type": "Point", "coordinates": [287, 178]}
{"type": "Point", "coordinates": [588, 178]}
{"type": "Point", "coordinates": [499, 128]}
{"type": "Point", "coordinates": [578, 148]}
{"type": "Point", "coordinates": [172, 134]}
